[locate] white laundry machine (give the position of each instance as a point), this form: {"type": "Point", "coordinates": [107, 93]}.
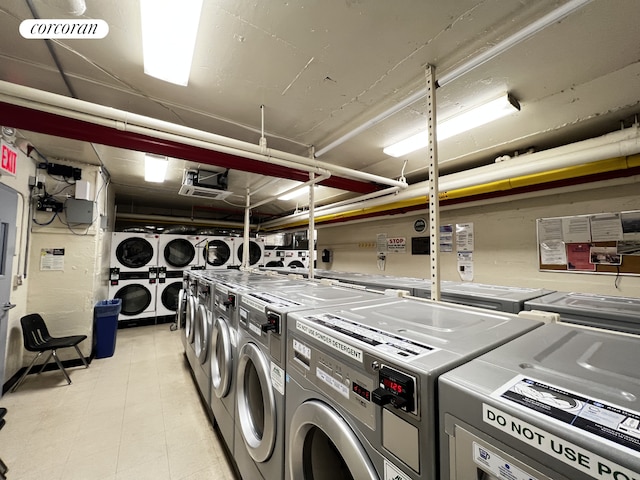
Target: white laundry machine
{"type": "Point", "coordinates": [273, 258]}
{"type": "Point", "coordinates": [260, 384]}
{"type": "Point", "coordinates": [138, 295]}
{"type": "Point", "coordinates": [602, 311]}
{"type": "Point", "coordinates": [202, 337]}
{"type": "Point", "coordinates": [561, 402]}
{"type": "Point", "coordinates": [178, 252]}
{"type": "Point", "coordinates": [361, 384]}
{"type": "Point", "coordinates": [256, 252]}
{"type": "Point", "coordinates": [219, 252]}
{"type": "Point", "coordinates": [296, 258]}
{"type": "Point", "coordinates": [168, 295]}
{"type": "Point", "coordinates": [133, 251]}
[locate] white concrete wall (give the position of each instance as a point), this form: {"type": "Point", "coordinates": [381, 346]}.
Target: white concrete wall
{"type": "Point", "coordinates": [505, 241]}
{"type": "Point", "coordinates": [64, 298]}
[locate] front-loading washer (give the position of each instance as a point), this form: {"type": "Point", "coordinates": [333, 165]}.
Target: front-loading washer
{"type": "Point", "coordinates": [561, 402]}
{"type": "Point", "coordinates": [219, 252]}
{"type": "Point", "coordinates": [361, 384]}
{"type": "Point", "coordinates": [138, 296]}
{"type": "Point", "coordinates": [177, 252]}
{"type": "Point", "coordinates": [201, 337]}
{"type": "Point", "coordinates": [168, 295]}
{"type": "Point", "coordinates": [229, 286]}
{"type": "Point", "coordinates": [191, 302]}
{"type": "Point", "coordinates": [261, 381]}
{"type": "Point", "coordinates": [256, 252]}
{"type": "Point", "coordinates": [133, 251]}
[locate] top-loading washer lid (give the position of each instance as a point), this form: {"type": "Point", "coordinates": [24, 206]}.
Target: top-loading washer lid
{"type": "Point", "coordinates": [217, 253]}
{"type": "Point", "coordinates": [134, 252]}
{"type": "Point", "coordinates": [179, 252]}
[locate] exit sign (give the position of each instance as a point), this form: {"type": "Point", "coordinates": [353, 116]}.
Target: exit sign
{"type": "Point", "coordinates": [9, 159]}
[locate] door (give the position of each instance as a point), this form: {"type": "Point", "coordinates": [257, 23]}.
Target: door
{"type": "Point", "coordinates": [221, 358]}
{"type": "Point", "coordinates": [8, 209]}
{"type": "Point", "coordinates": [179, 253]}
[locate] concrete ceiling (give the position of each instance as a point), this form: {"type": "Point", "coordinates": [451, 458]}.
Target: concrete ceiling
{"type": "Point", "coordinates": [323, 68]}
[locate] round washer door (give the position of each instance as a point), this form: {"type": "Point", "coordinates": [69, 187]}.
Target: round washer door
{"type": "Point", "coordinates": [201, 334]}
{"type": "Point", "coordinates": [189, 323]}
{"type": "Point", "coordinates": [296, 264]}
{"type": "Point", "coordinates": [322, 446]}
{"type": "Point", "coordinates": [135, 297]}
{"type": "Point", "coordinates": [170, 297]}
{"type": "Point", "coordinates": [274, 263]}
{"type": "Point", "coordinates": [221, 358]}
{"type": "Point", "coordinates": [255, 403]}
{"type": "Point", "coordinates": [255, 253]}
{"type": "Point", "coordinates": [217, 253]}
{"type": "Point", "coordinates": [134, 252]}
{"type": "Point", "coordinates": [179, 252]}
{"type": "Point", "coordinates": [181, 311]}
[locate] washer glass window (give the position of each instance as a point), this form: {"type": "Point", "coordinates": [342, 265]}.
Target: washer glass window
{"type": "Point", "coordinates": [170, 295]}
{"type": "Point", "coordinates": [254, 253]}
{"type": "Point", "coordinates": [217, 253]}
{"type": "Point", "coordinates": [134, 252]}
{"type": "Point", "coordinates": [135, 298]}
{"type": "Point", "coordinates": [179, 252]}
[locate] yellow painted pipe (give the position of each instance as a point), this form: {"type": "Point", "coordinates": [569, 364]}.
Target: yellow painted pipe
{"type": "Point", "coordinates": [610, 165]}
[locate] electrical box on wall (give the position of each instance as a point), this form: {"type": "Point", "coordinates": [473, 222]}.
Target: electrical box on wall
{"type": "Point", "coordinates": [83, 190]}
{"type": "Point", "coordinates": [79, 211]}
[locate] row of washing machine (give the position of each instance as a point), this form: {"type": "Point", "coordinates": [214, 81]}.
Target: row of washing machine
{"type": "Point", "coordinates": [274, 258]}
{"type": "Point", "coordinates": [146, 269]}
{"type": "Point", "coordinates": [132, 252]}
{"type": "Point", "coordinates": [319, 380]}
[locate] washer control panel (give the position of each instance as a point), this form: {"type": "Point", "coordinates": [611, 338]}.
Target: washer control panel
{"type": "Point", "coordinates": [395, 388]}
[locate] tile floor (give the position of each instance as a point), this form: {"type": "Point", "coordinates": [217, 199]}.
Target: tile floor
{"type": "Point", "coordinates": [134, 416]}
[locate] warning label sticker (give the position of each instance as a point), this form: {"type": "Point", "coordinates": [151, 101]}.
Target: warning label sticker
{"type": "Point", "coordinates": [604, 420]}
{"type": "Point", "coordinates": [496, 465]}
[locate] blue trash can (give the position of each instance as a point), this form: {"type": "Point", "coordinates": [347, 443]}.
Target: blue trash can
{"type": "Point", "coordinates": [105, 326]}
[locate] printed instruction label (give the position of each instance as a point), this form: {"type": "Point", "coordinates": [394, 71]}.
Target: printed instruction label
{"type": "Point", "coordinates": [603, 420]}
{"type": "Point", "coordinates": [332, 382]}
{"type": "Point", "coordinates": [402, 348]}
{"type": "Point", "coordinates": [391, 472]}
{"type": "Point", "coordinates": [334, 343]}
{"type": "Point", "coordinates": [255, 329]}
{"type": "Point", "coordinates": [497, 466]}
{"type": "Point", "coordinates": [277, 378]}
{"type": "Point", "coordinates": [557, 448]}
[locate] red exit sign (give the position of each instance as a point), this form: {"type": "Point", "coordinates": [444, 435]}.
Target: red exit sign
{"type": "Point", "coordinates": [9, 159]}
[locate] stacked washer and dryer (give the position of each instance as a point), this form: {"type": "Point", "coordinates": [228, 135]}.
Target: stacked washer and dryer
{"type": "Point", "coordinates": [134, 257]}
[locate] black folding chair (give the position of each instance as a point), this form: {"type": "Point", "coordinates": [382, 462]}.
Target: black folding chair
{"type": "Point", "coordinates": [37, 339]}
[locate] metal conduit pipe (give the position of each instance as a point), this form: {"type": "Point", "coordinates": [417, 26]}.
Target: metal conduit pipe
{"type": "Point", "coordinates": [129, 122]}
{"type": "Point", "coordinates": [178, 220]}
{"type": "Point", "coordinates": [313, 181]}
{"type": "Point", "coordinates": [617, 144]}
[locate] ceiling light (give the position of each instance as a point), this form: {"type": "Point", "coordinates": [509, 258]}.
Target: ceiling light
{"type": "Point", "coordinates": [477, 116]}
{"type": "Point", "coordinates": [155, 168]}
{"type": "Point", "coordinates": [295, 194]}
{"type": "Point", "coordinates": [169, 32]}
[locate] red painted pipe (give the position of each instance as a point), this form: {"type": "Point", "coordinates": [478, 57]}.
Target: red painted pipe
{"type": "Point", "coordinates": [51, 124]}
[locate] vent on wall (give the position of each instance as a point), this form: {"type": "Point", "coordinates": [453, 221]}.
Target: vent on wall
{"type": "Point", "coordinates": [197, 183]}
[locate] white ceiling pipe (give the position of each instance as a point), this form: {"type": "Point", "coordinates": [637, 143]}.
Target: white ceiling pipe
{"type": "Point", "coordinates": [315, 180]}
{"type": "Point", "coordinates": [178, 220]}
{"type": "Point", "coordinates": [125, 121]}
{"type": "Point", "coordinates": [617, 144]}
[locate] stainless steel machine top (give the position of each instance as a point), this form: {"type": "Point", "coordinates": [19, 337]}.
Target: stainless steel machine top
{"type": "Point", "coordinates": [377, 363]}
{"type": "Point", "coordinates": [602, 311]}
{"type": "Point", "coordinates": [560, 402]}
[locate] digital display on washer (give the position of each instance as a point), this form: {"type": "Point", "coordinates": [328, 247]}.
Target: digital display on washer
{"type": "Point", "coordinates": [361, 391]}
{"type": "Point", "coordinates": [386, 342]}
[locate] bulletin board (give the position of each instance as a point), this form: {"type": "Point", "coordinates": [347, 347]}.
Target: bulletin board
{"type": "Point", "coordinates": [606, 243]}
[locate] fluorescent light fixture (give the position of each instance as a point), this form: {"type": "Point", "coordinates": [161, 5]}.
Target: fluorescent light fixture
{"type": "Point", "coordinates": [477, 116]}
{"type": "Point", "coordinates": [295, 193]}
{"type": "Point", "coordinates": [155, 168]}
{"type": "Point", "coordinates": [169, 31]}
